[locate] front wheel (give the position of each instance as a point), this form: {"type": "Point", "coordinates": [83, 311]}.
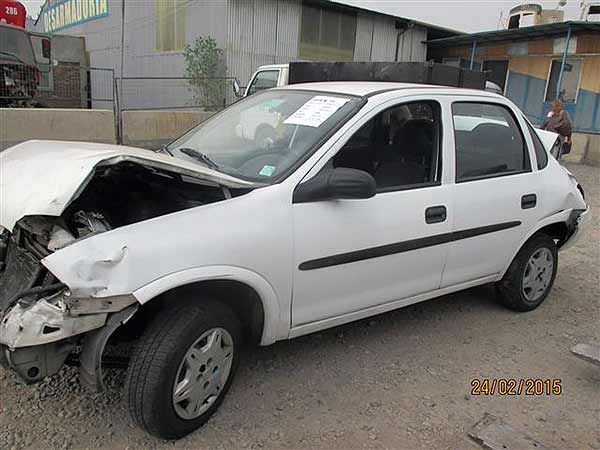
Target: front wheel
{"type": "Point", "coordinates": [183, 367]}
{"type": "Point", "coordinates": [530, 277]}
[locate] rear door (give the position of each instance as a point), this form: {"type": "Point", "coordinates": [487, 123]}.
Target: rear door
{"type": "Point", "coordinates": [496, 194]}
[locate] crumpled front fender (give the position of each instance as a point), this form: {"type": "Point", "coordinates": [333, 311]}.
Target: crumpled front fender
{"type": "Point", "coordinates": [88, 269]}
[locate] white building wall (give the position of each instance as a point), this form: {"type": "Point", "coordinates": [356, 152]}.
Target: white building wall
{"type": "Point", "coordinates": [250, 32]}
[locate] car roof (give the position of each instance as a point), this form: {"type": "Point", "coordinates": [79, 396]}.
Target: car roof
{"type": "Point", "coordinates": [370, 88]}
{"type": "Point", "coordinates": [273, 66]}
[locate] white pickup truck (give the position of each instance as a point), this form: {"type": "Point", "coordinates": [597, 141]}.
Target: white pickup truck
{"type": "Point", "coordinates": [365, 197]}
{"type": "Point", "coordinates": [266, 77]}
{"type": "Point", "coordinates": [277, 75]}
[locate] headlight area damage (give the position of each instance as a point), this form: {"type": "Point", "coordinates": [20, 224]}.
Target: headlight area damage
{"type": "Point", "coordinates": [42, 320]}
{"type": "Point", "coordinates": [41, 324]}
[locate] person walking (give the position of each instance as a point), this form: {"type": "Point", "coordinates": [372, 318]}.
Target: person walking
{"type": "Point", "coordinates": [558, 121]}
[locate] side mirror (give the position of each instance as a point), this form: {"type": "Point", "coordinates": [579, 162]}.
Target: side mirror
{"type": "Point", "coordinates": [46, 48]}
{"type": "Point", "coordinates": [339, 183]}
{"type": "Point", "coordinates": [237, 90]}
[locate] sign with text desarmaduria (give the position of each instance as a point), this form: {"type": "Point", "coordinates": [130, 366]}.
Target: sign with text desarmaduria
{"type": "Point", "coordinates": [61, 14]}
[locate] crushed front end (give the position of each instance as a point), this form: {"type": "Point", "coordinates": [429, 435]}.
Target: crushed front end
{"type": "Point", "coordinates": [41, 323]}
{"type": "Point", "coordinates": [33, 330]}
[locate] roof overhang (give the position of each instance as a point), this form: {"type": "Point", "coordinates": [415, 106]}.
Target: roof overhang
{"type": "Point", "coordinates": [532, 32]}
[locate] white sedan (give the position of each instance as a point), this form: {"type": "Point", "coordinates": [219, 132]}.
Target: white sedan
{"type": "Point", "coordinates": [352, 199]}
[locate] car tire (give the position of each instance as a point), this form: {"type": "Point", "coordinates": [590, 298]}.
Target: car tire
{"type": "Point", "coordinates": [182, 344]}
{"type": "Point", "coordinates": [530, 277]}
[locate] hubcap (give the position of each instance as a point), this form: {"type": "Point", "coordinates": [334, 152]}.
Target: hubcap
{"type": "Point", "coordinates": [538, 273]}
{"type": "Point", "coordinates": [203, 373]}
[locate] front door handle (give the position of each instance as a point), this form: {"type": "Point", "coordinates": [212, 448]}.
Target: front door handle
{"type": "Point", "coordinates": [528, 201]}
{"type": "Point", "coordinates": [435, 214]}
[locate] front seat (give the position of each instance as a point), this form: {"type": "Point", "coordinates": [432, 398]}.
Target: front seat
{"type": "Point", "coordinates": [411, 149]}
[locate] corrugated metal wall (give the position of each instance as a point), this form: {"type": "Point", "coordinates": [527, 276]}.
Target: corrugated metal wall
{"type": "Point", "coordinates": [261, 32]}
{"type": "Point", "coordinates": [264, 32]}
{"type": "Point", "coordinates": [377, 40]}
{"type": "Point", "coordinates": [364, 37]}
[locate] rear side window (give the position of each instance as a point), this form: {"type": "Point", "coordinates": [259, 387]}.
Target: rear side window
{"type": "Point", "coordinates": [540, 151]}
{"type": "Point", "coordinates": [489, 142]}
{"type": "Point", "coordinates": [266, 79]}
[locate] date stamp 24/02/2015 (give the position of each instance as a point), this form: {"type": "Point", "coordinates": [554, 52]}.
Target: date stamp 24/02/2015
{"type": "Point", "coordinates": [514, 386]}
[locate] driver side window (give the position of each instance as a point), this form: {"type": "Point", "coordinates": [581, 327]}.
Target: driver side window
{"type": "Point", "coordinates": [399, 147]}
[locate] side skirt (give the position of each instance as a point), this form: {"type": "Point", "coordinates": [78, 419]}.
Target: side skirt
{"type": "Point", "coordinates": [374, 310]}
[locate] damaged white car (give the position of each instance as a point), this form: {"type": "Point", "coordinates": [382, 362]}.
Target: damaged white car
{"type": "Point", "coordinates": [295, 210]}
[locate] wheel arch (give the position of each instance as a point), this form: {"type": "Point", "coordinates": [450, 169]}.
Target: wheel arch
{"type": "Point", "coordinates": [248, 294]}
{"type": "Point", "coordinates": [554, 226]}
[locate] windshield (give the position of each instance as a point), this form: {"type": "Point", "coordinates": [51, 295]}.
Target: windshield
{"type": "Point", "coordinates": [15, 45]}
{"type": "Point", "coordinates": [262, 137]}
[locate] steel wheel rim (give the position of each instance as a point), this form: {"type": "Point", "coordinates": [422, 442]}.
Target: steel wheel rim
{"type": "Point", "coordinates": [203, 373]}
{"type": "Point", "coordinates": [537, 274]}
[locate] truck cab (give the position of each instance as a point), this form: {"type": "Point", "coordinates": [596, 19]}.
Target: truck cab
{"type": "Point", "coordinates": [267, 77]}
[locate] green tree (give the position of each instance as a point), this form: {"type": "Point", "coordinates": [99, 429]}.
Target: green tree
{"type": "Point", "coordinates": [204, 65]}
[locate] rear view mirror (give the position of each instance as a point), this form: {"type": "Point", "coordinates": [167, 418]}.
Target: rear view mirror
{"type": "Point", "coordinates": [339, 183]}
{"type": "Point", "coordinates": [237, 90]}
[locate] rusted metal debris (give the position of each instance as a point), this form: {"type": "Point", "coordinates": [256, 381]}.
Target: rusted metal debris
{"type": "Point", "coordinates": [493, 433]}
{"type": "Point", "coordinates": [587, 352]}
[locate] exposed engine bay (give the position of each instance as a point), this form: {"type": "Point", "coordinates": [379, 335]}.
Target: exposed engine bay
{"type": "Point", "coordinates": [115, 196]}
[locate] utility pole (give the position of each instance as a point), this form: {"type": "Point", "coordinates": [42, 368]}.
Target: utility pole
{"type": "Point", "coordinates": [119, 93]}
{"type": "Point", "coordinates": [122, 43]}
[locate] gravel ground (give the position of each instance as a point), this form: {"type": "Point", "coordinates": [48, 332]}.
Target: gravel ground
{"type": "Point", "coordinates": [400, 380]}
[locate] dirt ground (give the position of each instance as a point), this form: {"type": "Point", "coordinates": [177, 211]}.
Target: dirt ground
{"type": "Point", "coordinates": [399, 381]}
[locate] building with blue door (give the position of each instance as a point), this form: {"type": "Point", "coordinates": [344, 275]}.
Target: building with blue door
{"type": "Point", "coordinates": [535, 65]}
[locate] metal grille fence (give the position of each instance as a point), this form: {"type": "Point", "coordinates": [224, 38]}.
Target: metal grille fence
{"type": "Point", "coordinates": [66, 85]}
{"type": "Point", "coordinates": [161, 93]}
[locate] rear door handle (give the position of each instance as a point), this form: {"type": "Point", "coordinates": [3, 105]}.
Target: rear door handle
{"type": "Point", "coordinates": [435, 214]}
{"type": "Point", "coordinates": [528, 201]}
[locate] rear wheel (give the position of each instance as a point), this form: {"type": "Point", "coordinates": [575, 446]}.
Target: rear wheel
{"type": "Point", "coordinates": [530, 277]}
{"type": "Point", "coordinates": [183, 367]}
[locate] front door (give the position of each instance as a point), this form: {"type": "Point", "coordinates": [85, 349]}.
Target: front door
{"type": "Point", "coordinates": [351, 255]}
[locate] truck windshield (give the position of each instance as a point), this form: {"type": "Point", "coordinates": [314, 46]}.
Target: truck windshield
{"type": "Point", "coordinates": [262, 137]}
{"type": "Point", "coordinates": [15, 45]}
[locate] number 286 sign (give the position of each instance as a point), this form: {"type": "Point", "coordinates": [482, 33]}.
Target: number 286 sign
{"type": "Point", "coordinates": [13, 13]}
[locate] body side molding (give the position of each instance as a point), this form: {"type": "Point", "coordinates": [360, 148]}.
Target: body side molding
{"type": "Point", "coordinates": [404, 246]}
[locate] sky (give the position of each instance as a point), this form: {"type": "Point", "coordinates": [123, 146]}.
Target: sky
{"type": "Point", "coordinates": [465, 15]}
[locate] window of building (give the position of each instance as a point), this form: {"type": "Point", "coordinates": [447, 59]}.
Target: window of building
{"type": "Point", "coordinates": [540, 151]}
{"type": "Point", "coordinates": [326, 34]}
{"type": "Point", "coordinates": [488, 142]}
{"type": "Point", "coordinates": [170, 25]}
{"type": "Point", "coordinates": [570, 81]}
{"type": "Point", "coordinates": [399, 147]}
{"type": "Point", "coordinates": [265, 79]}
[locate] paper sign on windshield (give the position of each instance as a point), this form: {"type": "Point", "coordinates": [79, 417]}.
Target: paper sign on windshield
{"type": "Point", "coordinates": [316, 111]}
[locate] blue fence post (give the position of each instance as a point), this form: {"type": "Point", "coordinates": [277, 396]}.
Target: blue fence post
{"type": "Point", "coordinates": [473, 55]}
{"type": "Point", "coordinates": [563, 63]}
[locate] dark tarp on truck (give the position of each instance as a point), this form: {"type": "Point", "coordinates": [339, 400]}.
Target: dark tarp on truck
{"type": "Point", "coordinates": [398, 72]}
